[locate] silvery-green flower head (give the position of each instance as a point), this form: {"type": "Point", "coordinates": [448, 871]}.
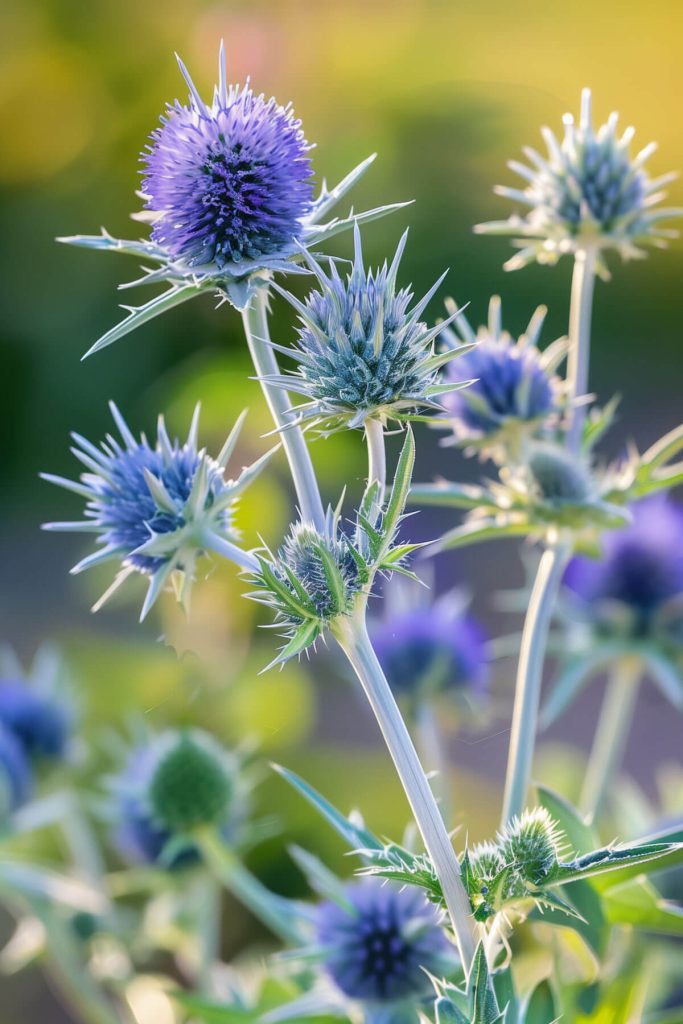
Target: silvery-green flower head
{"type": "Point", "coordinates": [228, 193]}
{"type": "Point", "coordinates": [156, 510]}
{"type": "Point", "coordinates": [363, 352]}
{"type": "Point", "coordinates": [318, 578]}
{"type": "Point", "coordinates": [588, 192]}
{"type": "Point", "coordinates": [515, 391]}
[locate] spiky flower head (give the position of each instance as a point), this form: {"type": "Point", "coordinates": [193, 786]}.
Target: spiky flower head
{"type": "Point", "coordinates": [380, 943]}
{"type": "Point", "coordinates": [514, 390]}
{"type": "Point", "coordinates": [37, 706]}
{"type": "Point", "coordinates": [636, 587]}
{"type": "Point", "coordinates": [531, 844]}
{"type": "Point", "coordinates": [557, 476]}
{"type": "Point", "coordinates": [229, 198]}
{"type": "Point", "coordinates": [15, 774]}
{"type": "Point", "coordinates": [587, 193]}
{"type": "Point", "coordinates": [154, 804]}
{"type": "Point", "coordinates": [156, 510]}
{"type": "Point", "coordinates": [362, 351]}
{"type": "Point", "coordinates": [428, 648]}
{"type": "Point", "coordinates": [228, 183]}
{"type": "Point", "coordinates": [318, 578]}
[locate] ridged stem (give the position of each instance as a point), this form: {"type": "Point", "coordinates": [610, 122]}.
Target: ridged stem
{"type": "Point", "coordinates": [554, 559]}
{"type": "Point", "coordinates": [430, 746]}
{"type": "Point", "coordinates": [351, 634]}
{"type": "Point", "coordinates": [377, 458]}
{"type": "Point", "coordinates": [255, 320]}
{"type": "Point", "coordinates": [275, 912]}
{"type": "Point", "coordinates": [611, 735]}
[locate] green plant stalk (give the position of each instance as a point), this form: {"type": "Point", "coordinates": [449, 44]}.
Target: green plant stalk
{"type": "Point", "coordinates": [430, 746]}
{"type": "Point", "coordinates": [275, 912]}
{"type": "Point", "coordinates": [255, 320]}
{"type": "Point", "coordinates": [70, 976]}
{"type": "Point", "coordinates": [553, 562]}
{"type": "Point", "coordinates": [611, 735]}
{"type": "Point", "coordinates": [352, 636]}
{"type": "Point", "coordinates": [377, 459]}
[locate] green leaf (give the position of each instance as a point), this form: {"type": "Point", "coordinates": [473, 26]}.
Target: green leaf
{"type": "Point", "coordinates": [541, 1008]}
{"type": "Point", "coordinates": [357, 837]}
{"type": "Point", "coordinates": [213, 1013]}
{"type": "Point", "coordinates": [638, 903]}
{"type": "Point", "coordinates": [400, 487]}
{"type": "Point", "coordinates": [664, 449]}
{"type": "Point", "coordinates": [485, 1009]}
{"type": "Point", "coordinates": [581, 836]}
{"type": "Point", "coordinates": [610, 859]}
{"type": "Point", "coordinates": [448, 1013]}
{"type": "Point", "coordinates": [140, 315]}
{"type": "Point", "coordinates": [304, 636]}
{"type": "Point", "coordinates": [448, 495]}
{"type": "Point", "coordinates": [478, 530]}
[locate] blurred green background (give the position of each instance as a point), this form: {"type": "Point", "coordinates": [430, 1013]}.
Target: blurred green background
{"type": "Point", "coordinates": [445, 92]}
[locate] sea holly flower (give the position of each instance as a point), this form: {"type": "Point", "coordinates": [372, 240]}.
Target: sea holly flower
{"type": "Point", "coordinates": [429, 648]}
{"type": "Point", "coordinates": [587, 193]}
{"type": "Point", "coordinates": [379, 943]}
{"type": "Point", "coordinates": [15, 774]}
{"type": "Point", "coordinates": [362, 351]}
{"type": "Point", "coordinates": [156, 510]}
{"type": "Point", "coordinates": [626, 603]}
{"type": "Point", "coordinates": [37, 707]}
{"type": "Point", "coordinates": [514, 393]}
{"type": "Point", "coordinates": [169, 785]}
{"type": "Point", "coordinates": [228, 193]}
{"type": "Point", "coordinates": [318, 578]}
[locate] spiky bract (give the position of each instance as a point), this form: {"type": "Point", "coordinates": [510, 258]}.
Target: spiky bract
{"type": "Point", "coordinates": [587, 193]}
{"type": "Point", "coordinates": [156, 510]}
{"type": "Point", "coordinates": [362, 351]}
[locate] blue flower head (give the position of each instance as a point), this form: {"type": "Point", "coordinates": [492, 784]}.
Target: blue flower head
{"type": "Point", "coordinates": [588, 192]}
{"type": "Point", "coordinates": [37, 707]}
{"type": "Point", "coordinates": [513, 390]}
{"type": "Point", "coordinates": [430, 648]}
{"type": "Point", "coordinates": [636, 587]}
{"type": "Point", "coordinates": [380, 942]}
{"type": "Point", "coordinates": [362, 351]}
{"type": "Point", "coordinates": [229, 197]}
{"type": "Point", "coordinates": [169, 785]}
{"type": "Point", "coordinates": [15, 774]}
{"type": "Point", "coordinates": [156, 509]}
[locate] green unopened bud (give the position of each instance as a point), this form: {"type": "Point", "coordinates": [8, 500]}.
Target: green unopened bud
{"type": "Point", "coordinates": [531, 844]}
{"type": "Point", "coordinates": [191, 786]}
{"type": "Point", "coordinates": [558, 476]}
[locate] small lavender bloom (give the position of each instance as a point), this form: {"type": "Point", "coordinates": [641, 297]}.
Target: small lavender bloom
{"type": "Point", "coordinates": [640, 576]}
{"type": "Point", "coordinates": [361, 351]}
{"type": "Point", "coordinates": [39, 722]}
{"type": "Point", "coordinates": [229, 182]}
{"type": "Point", "coordinates": [15, 774]}
{"type": "Point", "coordinates": [433, 649]}
{"type": "Point", "coordinates": [513, 385]}
{"type": "Point", "coordinates": [156, 510]}
{"type": "Point", "coordinates": [378, 948]}
{"type": "Point", "coordinates": [588, 192]}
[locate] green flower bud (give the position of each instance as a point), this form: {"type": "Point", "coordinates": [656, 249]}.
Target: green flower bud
{"type": "Point", "coordinates": [191, 786]}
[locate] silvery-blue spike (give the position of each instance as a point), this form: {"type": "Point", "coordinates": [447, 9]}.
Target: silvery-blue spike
{"type": "Point", "coordinates": [159, 493]}
{"type": "Point", "coordinates": [201, 105]}
{"type": "Point", "coordinates": [231, 442]}
{"type": "Point", "coordinates": [156, 586]}
{"type": "Point", "coordinates": [193, 433]}
{"type": "Point", "coordinates": [105, 554]}
{"type": "Point", "coordinates": [119, 579]}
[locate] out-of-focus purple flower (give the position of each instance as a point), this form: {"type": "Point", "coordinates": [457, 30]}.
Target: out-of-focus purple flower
{"type": "Point", "coordinates": [229, 182]}
{"type": "Point", "coordinates": [39, 722]}
{"type": "Point", "coordinates": [15, 773]}
{"type": "Point", "coordinates": [640, 576]}
{"type": "Point", "coordinates": [426, 649]}
{"type": "Point", "coordinates": [380, 944]}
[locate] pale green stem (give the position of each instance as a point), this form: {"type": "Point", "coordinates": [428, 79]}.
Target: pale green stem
{"type": "Point", "coordinates": [611, 735]}
{"type": "Point", "coordinates": [255, 319]}
{"type": "Point", "coordinates": [276, 912]}
{"type": "Point", "coordinates": [71, 977]}
{"type": "Point", "coordinates": [377, 459]}
{"type": "Point", "coordinates": [529, 679]}
{"type": "Point", "coordinates": [430, 746]}
{"type": "Point", "coordinates": [352, 636]}
{"type": "Point", "coordinates": [553, 562]}
{"type": "Point", "coordinates": [208, 933]}
{"type": "Point", "coordinates": [580, 314]}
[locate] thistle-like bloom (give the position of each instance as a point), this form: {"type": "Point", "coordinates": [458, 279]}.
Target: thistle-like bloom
{"type": "Point", "coordinates": [430, 648]}
{"type": "Point", "coordinates": [228, 195]}
{"type": "Point", "coordinates": [38, 721]}
{"type": "Point", "coordinates": [380, 942]}
{"type": "Point", "coordinates": [636, 588]}
{"type": "Point", "coordinates": [514, 390]}
{"type": "Point", "coordinates": [362, 351]}
{"type": "Point", "coordinates": [157, 510]}
{"type": "Point", "coordinates": [15, 774]}
{"type": "Point", "coordinates": [228, 183]}
{"type": "Point", "coordinates": [319, 577]}
{"type": "Point", "coordinates": [587, 193]}
{"type": "Point", "coordinates": [168, 786]}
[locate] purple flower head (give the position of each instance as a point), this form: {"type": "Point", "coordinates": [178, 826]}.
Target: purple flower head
{"type": "Point", "coordinates": [428, 649]}
{"type": "Point", "coordinates": [39, 722]}
{"type": "Point", "coordinates": [230, 182]}
{"type": "Point", "coordinates": [15, 774]}
{"type": "Point", "coordinates": [378, 947]}
{"type": "Point", "coordinates": [640, 575]}
{"type": "Point", "coordinates": [512, 381]}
